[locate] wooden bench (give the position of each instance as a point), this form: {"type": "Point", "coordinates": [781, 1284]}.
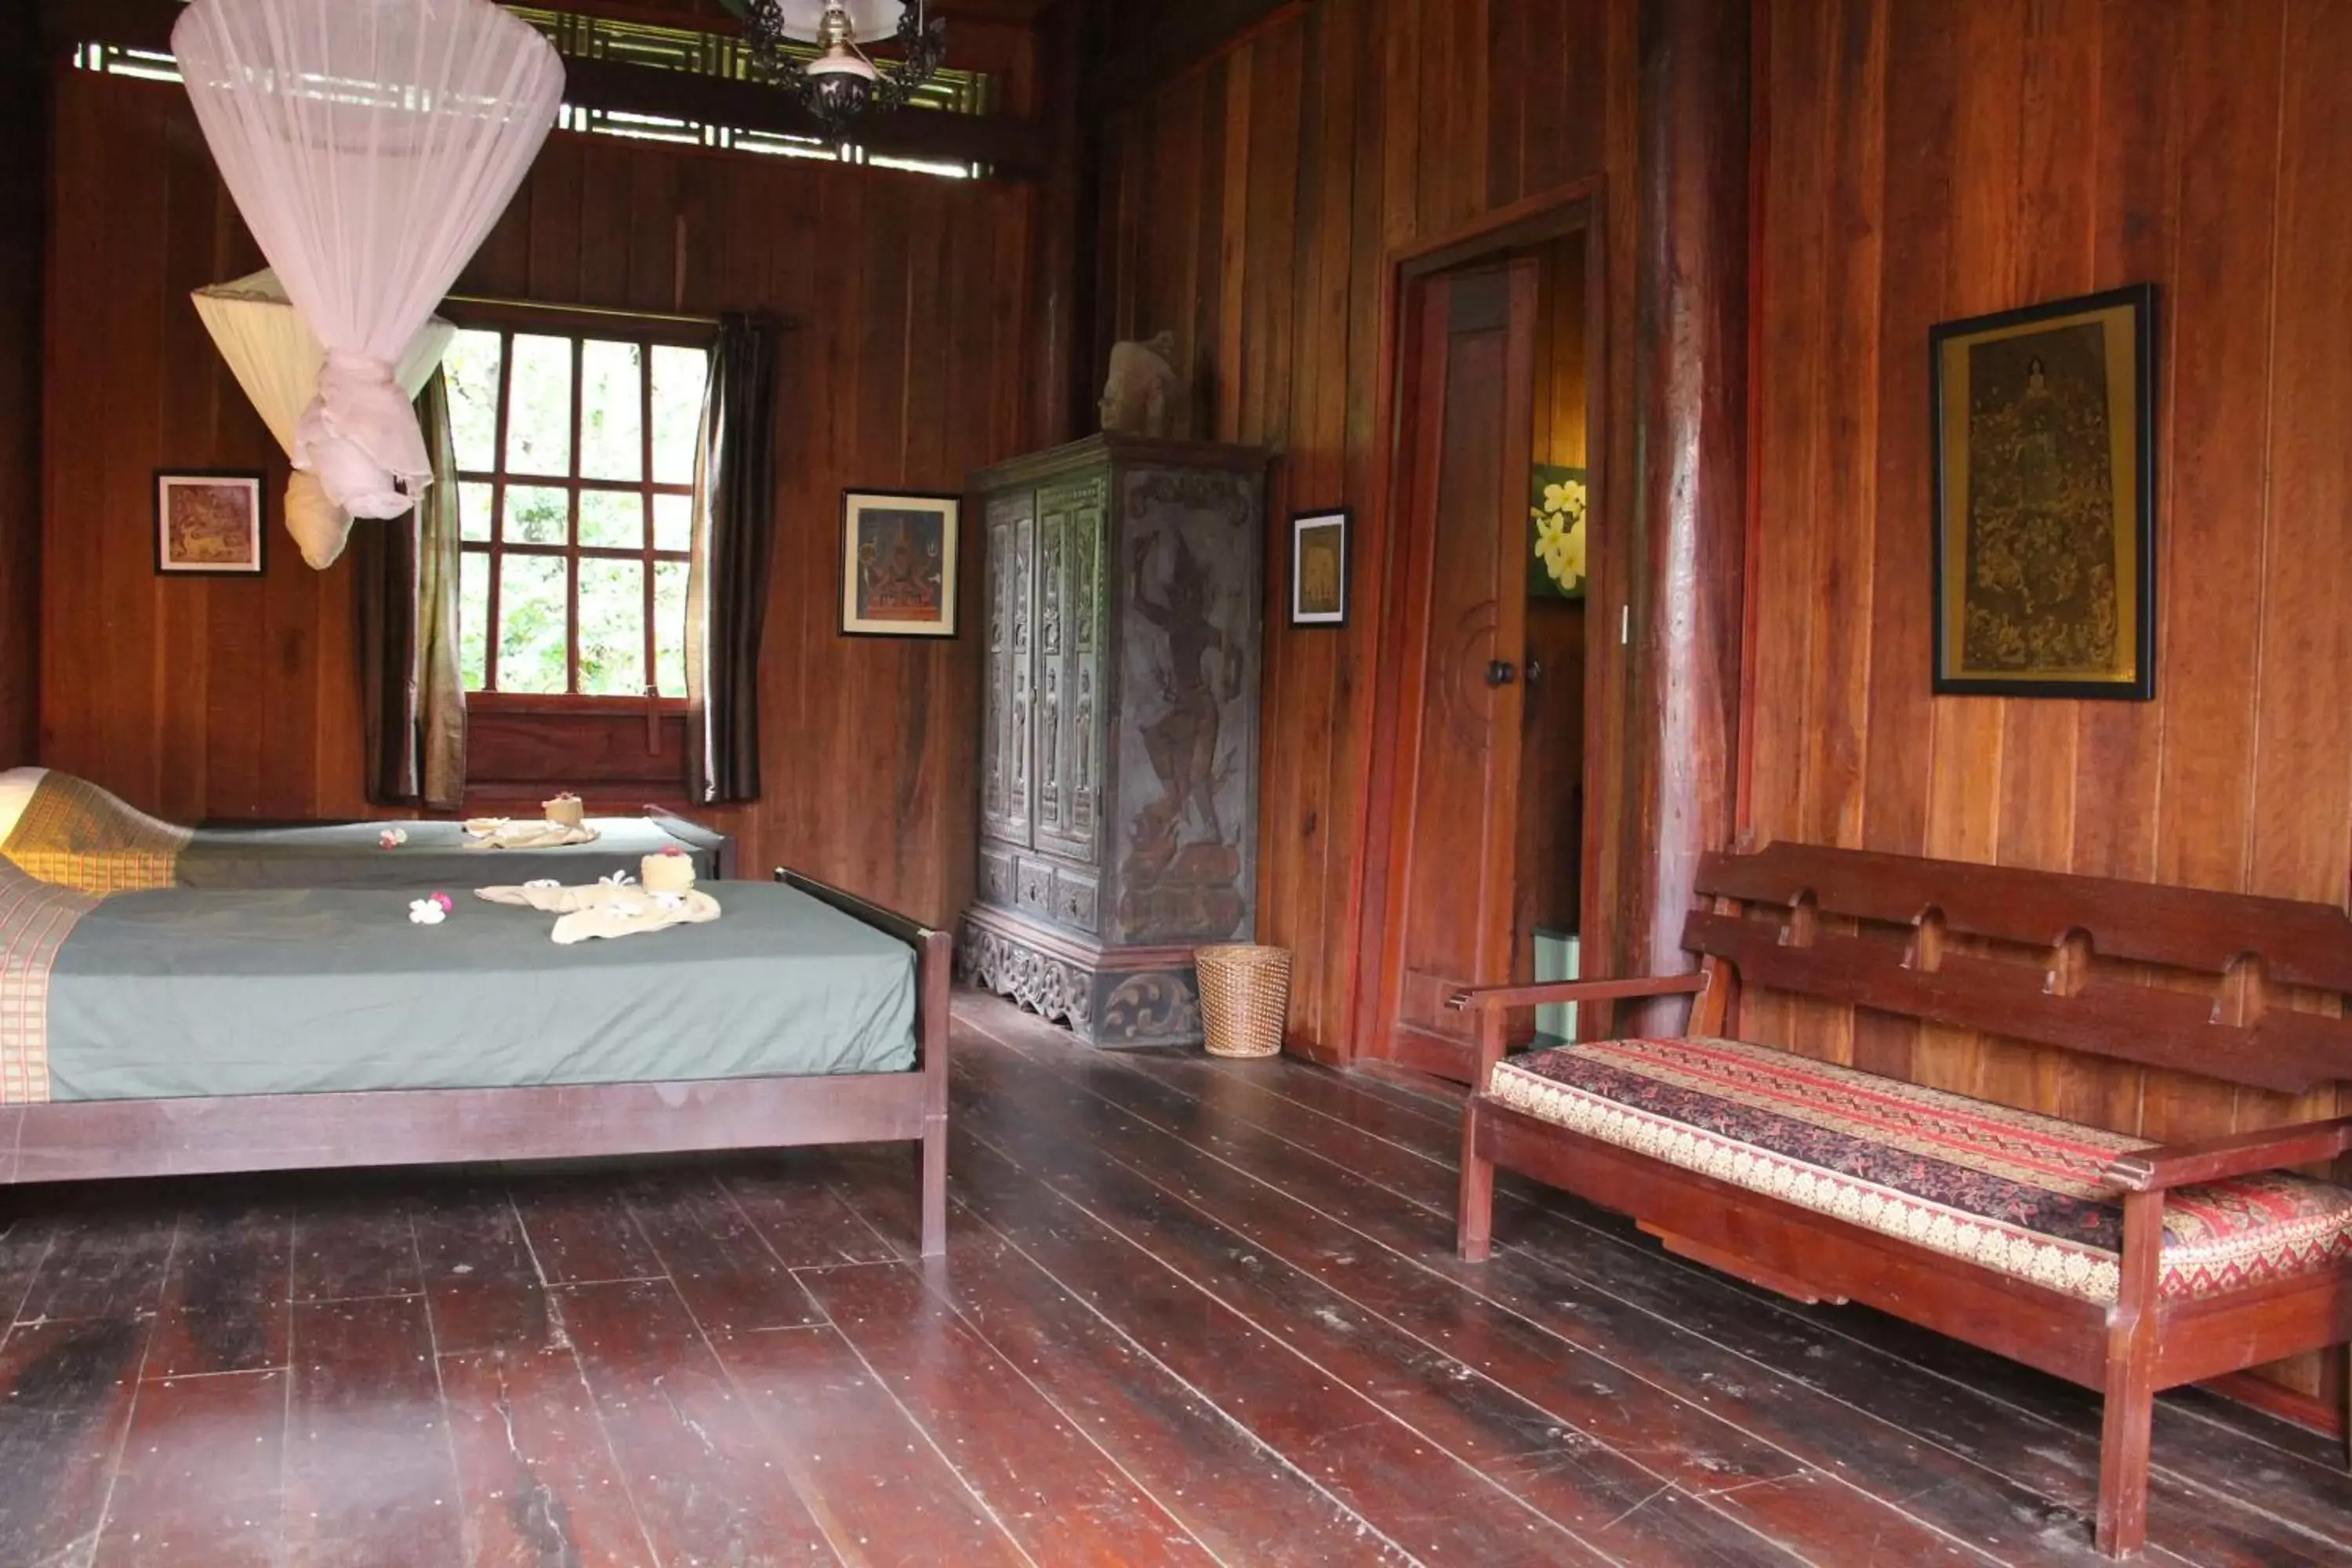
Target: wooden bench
{"type": "Point", "coordinates": [1807, 1178]}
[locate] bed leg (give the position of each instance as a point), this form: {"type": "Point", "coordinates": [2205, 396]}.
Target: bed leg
{"type": "Point", "coordinates": [934, 1157]}
{"type": "Point", "coordinates": [2125, 1431]}
{"type": "Point", "coordinates": [1475, 1218]}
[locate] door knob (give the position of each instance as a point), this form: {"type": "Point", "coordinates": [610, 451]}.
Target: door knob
{"type": "Point", "coordinates": [1501, 672]}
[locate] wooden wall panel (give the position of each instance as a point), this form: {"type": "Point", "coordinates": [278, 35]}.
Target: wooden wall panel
{"type": "Point", "coordinates": [1249, 206]}
{"type": "Point", "coordinates": [23, 131]}
{"type": "Point", "coordinates": [1927, 161]}
{"type": "Point", "coordinates": [240, 698]}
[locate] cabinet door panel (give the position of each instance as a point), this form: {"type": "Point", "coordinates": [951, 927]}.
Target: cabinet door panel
{"type": "Point", "coordinates": [1069, 668]}
{"type": "Point", "coordinates": [1005, 811]}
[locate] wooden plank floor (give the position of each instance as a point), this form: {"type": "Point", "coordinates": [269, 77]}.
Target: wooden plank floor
{"type": "Point", "coordinates": [1193, 1311]}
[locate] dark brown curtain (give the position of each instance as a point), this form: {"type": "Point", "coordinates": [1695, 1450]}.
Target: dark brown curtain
{"type": "Point", "coordinates": [383, 561]}
{"type": "Point", "coordinates": [734, 545]}
{"type": "Point", "coordinates": [406, 573]}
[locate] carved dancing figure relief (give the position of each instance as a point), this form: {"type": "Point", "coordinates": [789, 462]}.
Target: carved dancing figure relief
{"type": "Point", "coordinates": [1183, 741]}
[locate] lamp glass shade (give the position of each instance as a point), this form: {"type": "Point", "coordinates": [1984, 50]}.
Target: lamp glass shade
{"type": "Point", "coordinates": [873, 21]}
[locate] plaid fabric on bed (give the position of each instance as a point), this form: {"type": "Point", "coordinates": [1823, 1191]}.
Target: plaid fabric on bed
{"type": "Point", "coordinates": [2007, 1189]}
{"type": "Point", "coordinates": [34, 921]}
{"type": "Point", "coordinates": [76, 835]}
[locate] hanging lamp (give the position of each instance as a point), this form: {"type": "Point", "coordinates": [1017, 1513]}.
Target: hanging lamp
{"type": "Point", "coordinates": [844, 81]}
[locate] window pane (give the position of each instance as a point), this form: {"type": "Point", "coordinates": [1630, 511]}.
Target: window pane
{"type": "Point", "coordinates": [673, 522]}
{"type": "Point", "coordinates": [472, 369]}
{"type": "Point", "coordinates": [475, 502]}
{"type": "Point", "coordinates": [537, 514]}
{"type": "Point", "coordinates": [531, 624]}
{"type": "Point", "coordinates": [474, 617]}
{"type": "Point", "coordinates": [612, 627]}
{"type": "Point", "coordinates": [669, 627]}
{"type": "Point", "coordinates": [678, 375]}
{"type": "Point", "coordinates": [539, 416]}
{"type": "Point", "coordinates": [613, 520]}
{"type": "Point", "coordinates": [612, 411]}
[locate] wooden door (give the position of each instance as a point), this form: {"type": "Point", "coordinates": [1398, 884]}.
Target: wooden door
{"type": "Point", "coordinates": [1466, 432]}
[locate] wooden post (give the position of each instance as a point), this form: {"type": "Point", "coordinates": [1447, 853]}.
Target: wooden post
{"type": "Point", "coordinates": [1474, 1212]}
{"type": "Point", "coordinates": [1692, 379]}
{"type": "Point", "coordinates": [2131, 1380]}
{"type": "Point", "coordinates": [25, 68]}
{"type": "Point", "coordinates": [1062, 348]}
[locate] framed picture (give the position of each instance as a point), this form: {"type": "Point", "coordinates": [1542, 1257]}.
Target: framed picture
{"type": "Point", "coordinates": [898, 563]}
{"type": "Point", "coordinates": [210, 523]}
{"type": "Point", "coordinates": [1318, 569]}
{"type": "Point", "coordinates": [2045, 500]}
{"type": "Point", "coordinates": [1557, 509]}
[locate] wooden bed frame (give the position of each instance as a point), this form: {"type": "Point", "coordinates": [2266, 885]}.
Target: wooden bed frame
{"type": "Point", "coordinates": [87, 1140]}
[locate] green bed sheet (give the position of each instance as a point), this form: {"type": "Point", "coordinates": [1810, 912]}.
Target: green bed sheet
{"type": "Point", "coordinates": [185, 991]}
{"type": "Point", "coordinates": [348, 854]}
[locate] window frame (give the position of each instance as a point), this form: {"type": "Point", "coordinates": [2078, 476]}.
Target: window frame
{"type": "Point", "coordinates": [578, 326]}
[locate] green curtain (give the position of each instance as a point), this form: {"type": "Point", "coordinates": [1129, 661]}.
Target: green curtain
{"type": "Point", "coordinates": [407, 578]}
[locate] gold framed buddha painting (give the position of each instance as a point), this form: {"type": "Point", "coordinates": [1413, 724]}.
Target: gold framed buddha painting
{"type": "Point", "coordinates": [2045, 500]}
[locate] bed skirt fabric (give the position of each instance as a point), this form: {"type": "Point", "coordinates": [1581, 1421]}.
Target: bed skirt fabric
{"type": "Point", "coordinates": [35, 917]}
{"type": "Point", "coordinates": [2005, 1188]}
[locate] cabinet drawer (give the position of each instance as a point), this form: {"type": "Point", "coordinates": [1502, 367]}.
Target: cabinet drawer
{"type": "Point", "coordinates": [1074, 900]}
{"type": "Point", "coordinates": [996, 877]}
{"type": "Point", "coordinates": [1034, 888]}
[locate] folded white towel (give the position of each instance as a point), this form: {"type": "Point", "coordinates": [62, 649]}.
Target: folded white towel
{"type": "Point", "coordinates": [606, 910]}
{"type": "Point", "coordinates": [503, 833]}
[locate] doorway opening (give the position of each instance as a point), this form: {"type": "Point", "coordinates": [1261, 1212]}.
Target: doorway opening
{"type": "Point", "coordinates": [1477, 855]}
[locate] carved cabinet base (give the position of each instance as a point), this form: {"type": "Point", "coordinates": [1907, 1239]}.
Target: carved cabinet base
{"type": "Point", "coordinates": [1115, 997]}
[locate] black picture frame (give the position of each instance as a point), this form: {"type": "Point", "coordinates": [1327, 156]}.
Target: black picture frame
{"type": "Point", "coordinates": [2044, 419]}
{"type": "Point", "coordinates": [949, 508]}
{"type": "Point", "coordinates": [1331, 610]}
{"type": "Point", "coordinates": [253, 482]}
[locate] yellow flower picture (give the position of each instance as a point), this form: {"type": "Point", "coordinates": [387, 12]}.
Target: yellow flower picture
{"type": "Point", "coordinates": [1559, 515]}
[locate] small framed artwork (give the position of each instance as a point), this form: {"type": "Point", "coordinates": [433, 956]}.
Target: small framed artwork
{"type": "Point", "coordinates": [1557, 509]}
{"type": "Point", "coordinates": [210, 523]}
{"type": "Point", "coordinates": [898, 563]}
{"type": "Point", "coordinates": [2045, 500]}
{"type": "Point", "coordinates": [1318, 569]}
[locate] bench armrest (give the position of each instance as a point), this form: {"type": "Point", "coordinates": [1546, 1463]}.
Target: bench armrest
{"type": "Point", "coordinates": [2241, 1154]}
{"type": "Point", "coordinates": [1488, 998]}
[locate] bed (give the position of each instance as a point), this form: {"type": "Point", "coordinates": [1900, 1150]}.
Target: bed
{"type": "Point", "coordinates": [64, 829]}
{"type": "Point", "coordinates": [182, 1030]}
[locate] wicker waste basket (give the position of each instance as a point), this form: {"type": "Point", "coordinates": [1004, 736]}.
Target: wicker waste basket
{"type": "Point", "coordinates": [1245, 997]}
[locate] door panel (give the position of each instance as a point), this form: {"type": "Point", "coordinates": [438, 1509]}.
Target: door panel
{"type": "Point", "coordinates": [1467, 421]}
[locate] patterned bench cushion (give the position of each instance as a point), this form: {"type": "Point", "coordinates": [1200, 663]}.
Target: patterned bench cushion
{"type": "Point", "coordinates": [2003, 1188]}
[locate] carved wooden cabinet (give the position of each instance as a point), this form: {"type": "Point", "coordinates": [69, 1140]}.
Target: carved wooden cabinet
{"type": "Point", "coordinates": [1118, 753]}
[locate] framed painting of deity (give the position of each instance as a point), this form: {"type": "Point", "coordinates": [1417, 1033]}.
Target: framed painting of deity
{"type": "Point", "coordinates": [898, 563]}
{"type": "Point", "coordinates": [211, 523]}
{"type": "Point", "coordinates": [2045, 500]}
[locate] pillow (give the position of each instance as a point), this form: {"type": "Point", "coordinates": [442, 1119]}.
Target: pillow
{"type": "Point", "coordinates": [17, 788]}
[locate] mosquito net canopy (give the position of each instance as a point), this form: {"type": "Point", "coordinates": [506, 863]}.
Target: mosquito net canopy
{"type": "Point", "coordinates": [370, 145]}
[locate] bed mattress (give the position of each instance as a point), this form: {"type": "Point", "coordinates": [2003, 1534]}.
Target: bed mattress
{"type": "Point", "coordinates": [67, 831]}
{"type": "Point", "coordinates": [186, 992]}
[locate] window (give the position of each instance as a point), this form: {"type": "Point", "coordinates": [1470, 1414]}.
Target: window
{"type": "Point", "coordinates": [575, 461]}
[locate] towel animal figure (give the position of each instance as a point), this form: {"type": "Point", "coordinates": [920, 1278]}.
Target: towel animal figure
{"type": "Point", "coordinates": [606, 908]}
{"type": "Point", "coordinates": [499, 833]}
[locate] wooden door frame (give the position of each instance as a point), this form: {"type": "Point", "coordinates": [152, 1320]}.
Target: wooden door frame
{"type": "Point", "coordinates": [1580, 206]}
